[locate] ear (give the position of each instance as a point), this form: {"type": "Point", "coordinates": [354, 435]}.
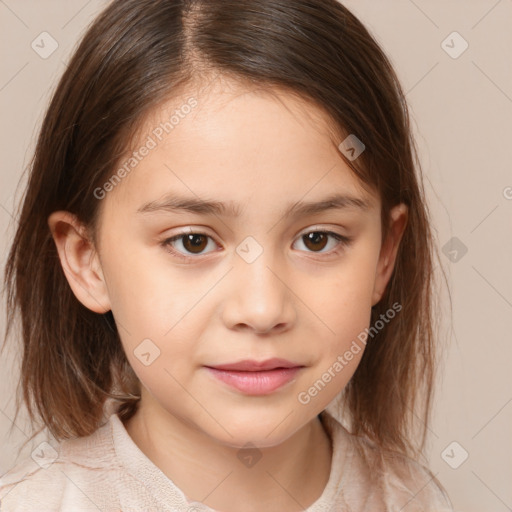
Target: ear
{"type": "Point", "coordinates": [389, 250]}
{"type": "Point", "coordinates": [80, 261]}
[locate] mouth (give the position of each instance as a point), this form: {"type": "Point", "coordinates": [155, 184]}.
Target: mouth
{"type": "Point", "coordinates": [256, 377]}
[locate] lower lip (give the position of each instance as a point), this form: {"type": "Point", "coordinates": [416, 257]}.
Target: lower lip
{"type": "Point", "coordinates": [256, 383]}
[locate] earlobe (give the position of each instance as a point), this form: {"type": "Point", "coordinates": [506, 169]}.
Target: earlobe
{"type": "Point", "coordinates": [79, 261]}
{"type": "Point", "coordinates": [389, 251]}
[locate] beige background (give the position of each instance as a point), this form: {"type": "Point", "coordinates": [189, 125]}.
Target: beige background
{"type": "Point", "coordinates": [462, 112]}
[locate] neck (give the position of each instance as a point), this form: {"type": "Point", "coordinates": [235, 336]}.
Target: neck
{"type": "Point", "coordinates": [289, 477]}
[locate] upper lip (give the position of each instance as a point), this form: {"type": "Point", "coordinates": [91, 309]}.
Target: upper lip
{"type": "Point", "coordinates": [249, 365]}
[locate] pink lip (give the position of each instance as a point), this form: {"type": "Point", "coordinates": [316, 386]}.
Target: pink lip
{"type": "Point", "coordinates": [248, 365]}
{"type": "Point", "coordinates": [256, 378]}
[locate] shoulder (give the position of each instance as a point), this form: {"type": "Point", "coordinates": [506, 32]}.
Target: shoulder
{"type": "Point", "coordinates": [71, 475]}
{"type": "Point", "coordinates": [385, 480]}
{"type": "Point", "coordinates": [407, 481]}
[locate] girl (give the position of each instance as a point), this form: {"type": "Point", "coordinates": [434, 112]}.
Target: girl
{"type": "Point", "coordinates": [223, 268]}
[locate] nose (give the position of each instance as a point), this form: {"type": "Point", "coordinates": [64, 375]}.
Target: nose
{"type": "Point", "coordinates": [260, 298]}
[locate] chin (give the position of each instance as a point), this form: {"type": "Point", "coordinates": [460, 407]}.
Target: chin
{"type": "Point", "coordinates": [256, 428]}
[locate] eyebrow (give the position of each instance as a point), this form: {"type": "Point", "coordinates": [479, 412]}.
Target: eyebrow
{"type": "Point", "coordinates": [175, 203]}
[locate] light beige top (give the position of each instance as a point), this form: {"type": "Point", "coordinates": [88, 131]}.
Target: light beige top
{"type": "Point", "coordinates": [107, 472]}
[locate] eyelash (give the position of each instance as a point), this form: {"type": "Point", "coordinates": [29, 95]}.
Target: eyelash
{"type": "Point", "coordinates": [166, 244]}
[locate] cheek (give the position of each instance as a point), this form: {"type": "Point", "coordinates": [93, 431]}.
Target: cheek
{"type": "Point", "coordinates": [343, 302]}
{"type": "Point", "coordinates": [141, 287]}
{"type": "Point", "coordinates": [158, 364]}
{"type": "Point", "coordinates": [156, 309]}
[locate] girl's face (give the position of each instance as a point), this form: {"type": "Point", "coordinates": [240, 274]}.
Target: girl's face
{"type": "Point", "coordinates": [254, 282]}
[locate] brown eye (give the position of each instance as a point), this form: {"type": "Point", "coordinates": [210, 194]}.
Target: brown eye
{"type": "Point", "coordinates": [194, 243]}
{"type": "Point", "coordinates": [316, 240]}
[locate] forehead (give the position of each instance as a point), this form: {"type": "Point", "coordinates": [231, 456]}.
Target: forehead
{"type": "Point", "coordinates": [238, 144]}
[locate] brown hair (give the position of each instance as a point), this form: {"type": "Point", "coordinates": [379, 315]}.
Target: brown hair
{"type": "Point", "coordinates": [139, 53]}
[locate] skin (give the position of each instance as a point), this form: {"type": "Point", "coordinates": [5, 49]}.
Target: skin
{"type": "Point", "coordinates": [298, 301]}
